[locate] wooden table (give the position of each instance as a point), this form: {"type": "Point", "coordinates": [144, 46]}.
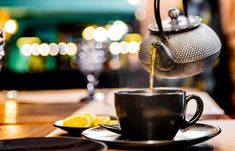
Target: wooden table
{"type": "Point", "coordinates": [19, 118]}
{"type": "Point", "coordinates": [31, 120]}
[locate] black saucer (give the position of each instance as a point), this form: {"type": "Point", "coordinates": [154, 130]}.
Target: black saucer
{"type": "Point", "coordinates": [73, 131]}
{"type": "Point", "coordinates": [50, 144]}
{"type": "Point", "coordinates": [184, 138]}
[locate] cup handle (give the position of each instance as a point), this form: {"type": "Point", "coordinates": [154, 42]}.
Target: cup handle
{"type": "Point", "coordinates": [198, 112]}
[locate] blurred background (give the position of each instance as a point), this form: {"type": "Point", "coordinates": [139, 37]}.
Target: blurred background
{"type": "Point", "coordinates": [43, 40]}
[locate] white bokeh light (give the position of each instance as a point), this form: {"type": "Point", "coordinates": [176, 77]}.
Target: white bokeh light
{"type": "Point", "coordinates": [100, 34]}
{"type": "Point", "coordinates": [124, 47]}
{"type": "Point", "coordinates": [44, 49]}
{"type": "Point", "coordinates": [34, 50]}
{"type": "Point", "coordinates": [54, 49]}
{"type": "Point", "coordinates": [71, 49]}
{"type": "Point", "coordinates": [115, 48]}
{"type": "Point", "coordinates": [26, 49]}
{"type": "Point", "coordinates": [62, 48]}
{"type": "Point", "coordinates": [87, 33]}
{"type": "Point", "coordinates": [11, 26]}
{"type": "Point", "coordinates": [117, 30]}
{"type": "Point", "coordinates": [134, 2]}
{"type": "Point", "coordinates": [133, 47]}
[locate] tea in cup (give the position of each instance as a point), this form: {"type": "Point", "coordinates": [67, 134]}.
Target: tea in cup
{"type": "Point", "coordinates": [154, 116]}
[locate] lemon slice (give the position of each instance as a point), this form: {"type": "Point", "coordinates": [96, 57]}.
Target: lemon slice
{"type": "Point", "coordinates": [113, 122]}
{"type": "Point", "coordinates": [89, 114]}
{"type": "Point", "coordinates": [101, 120]}
{"type": "Point", "coordinates": [78, 121]}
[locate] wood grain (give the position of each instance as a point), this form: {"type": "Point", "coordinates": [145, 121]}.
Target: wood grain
{"type": "Point", "coordinates": [36, 113]}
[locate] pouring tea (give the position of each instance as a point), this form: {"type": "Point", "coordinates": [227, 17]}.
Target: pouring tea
{"type": "Point", "coordinates": [184, 45]}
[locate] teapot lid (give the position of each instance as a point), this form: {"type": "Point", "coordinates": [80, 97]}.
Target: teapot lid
{"type": "Point", "coordinates": [176, 22]}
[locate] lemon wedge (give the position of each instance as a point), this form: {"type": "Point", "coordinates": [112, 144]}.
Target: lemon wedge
{"type": "Point", "coordinates": [113, 122]}
{"type": "Point", "coordinates": [101, 120]}
{"type": "Point", "coordinates": [89, 114]}
{"type": "Point", "coordinates": [81, 120]}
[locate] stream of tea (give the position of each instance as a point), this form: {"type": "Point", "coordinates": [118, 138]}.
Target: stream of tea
{"type": "Point", "coordinates": [151, 77]}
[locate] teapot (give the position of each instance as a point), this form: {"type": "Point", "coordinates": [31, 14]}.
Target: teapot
{"type": "Point", "coordinates": [184, 45]}
{"type": "Point", "coordinates": [2, 44]}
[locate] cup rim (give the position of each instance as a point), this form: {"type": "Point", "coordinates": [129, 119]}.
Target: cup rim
{"type": "Point", "coordinates": [160, 91]}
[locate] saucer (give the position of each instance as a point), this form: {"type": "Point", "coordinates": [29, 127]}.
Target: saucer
{"type": "Point", "coordinates": [50, 144]}
{"type": "Point", "coordinates": [195, 134]}
{"type": "Point", "coordinates": [75, 131]}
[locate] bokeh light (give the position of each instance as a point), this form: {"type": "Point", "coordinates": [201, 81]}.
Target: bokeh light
{"type": "Point", "coordinates": [132, 37]}
{"type": "Point", "coordinates": [124, 47]}
{"type": "Point", "coordinates": [133, 47]}
{"type": "Point", "coordinates": [71, 49]}
{"type": "Point", "coordinates": [27, 40]}
{"type": "Point", "coordinates": [115, 48]}
{"type": "Point", "coordinates": [44, 49]}
{"type": "Point", "coordinates": [11, 26]}
{"type": "Point", "coordinates": [134, 2]}
{"type": "Point", "coordinates": [117, 30]}
{"type": "Point", "coordinates": [54, 49]}
{"type": "Point", "coordinates": [100, 34]}
{"type": "Point", "coordinates": [34, 50]}
{"type": "Point", "coordinates": [62, 48]}
{"type": "Point", "coordinates": [140, 14]}
{"type": "Point", "coordinates": [87, 33]}
{"type": "Point", "coordinates": [115, 64]}
{"type": "Point", "coordinates": [26, 49]}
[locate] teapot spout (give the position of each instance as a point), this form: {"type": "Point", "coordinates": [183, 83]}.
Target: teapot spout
{"type": "Point", "coordinates": [164, 59]}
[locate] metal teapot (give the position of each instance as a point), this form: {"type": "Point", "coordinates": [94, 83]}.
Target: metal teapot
{"type": "Point", "coordinates": [2, 44]}
{"type": "Point", "coordinates": [184, 45]}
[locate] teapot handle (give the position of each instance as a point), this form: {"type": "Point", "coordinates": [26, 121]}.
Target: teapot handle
{"type": "Point", "coordinates": [158, 16]}
{"type": "Point", "coordinates": [185, 5]}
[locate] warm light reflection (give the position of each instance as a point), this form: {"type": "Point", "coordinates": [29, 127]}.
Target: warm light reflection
{"type": "Point", "coordinates": [12, 129]}
{"type": "Point", "coordinates": [27, 40]}
{"type": "Point", "coordinates": [133, 37]}
{"type": "Point", "coordinates": [11, 26]}
{"type": "Point", "coordinates": [99, 96]}
{"type": "Point", "coordinates": [71, 49]}
{"type": "Point", "coordinates": [10, 111]}
{"type": "Point", "coordinates": [87, 33]}
{"type": "Point", "coordinates": [4, 16]}
{"type": "Point", "coordinates": [46, 49]}
{"type": "Point", "coordinates": [124, 47]}
{"type": "Point", "coordinates": [115, 64]}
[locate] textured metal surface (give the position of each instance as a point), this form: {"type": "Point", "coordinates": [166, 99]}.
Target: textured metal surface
{"type": "Point", "coordinates": [182, 24]}
{"type": "Point", "coordinates": [185, 47]}
{"type": "Point", "coordinates": [192, 51]}
{"type": "Point", "coordinates": [184, 70]}
{"type": "Point", "coordinates": [2, 44]}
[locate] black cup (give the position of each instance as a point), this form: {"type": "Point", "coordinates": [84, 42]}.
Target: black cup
{"type": "Point", "coordinates": [156, 116]}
